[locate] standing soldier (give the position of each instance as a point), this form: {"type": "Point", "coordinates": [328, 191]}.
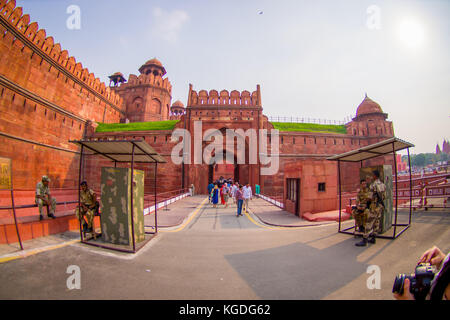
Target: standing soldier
{"type": "Point", "coordinates": [361, 211]}
{"type": "Point", "coordinates": [89, 205]}
{"type": "Point", "coordinates": [43, 198]}
{"type": "Point", "coordinates": [372, 226]}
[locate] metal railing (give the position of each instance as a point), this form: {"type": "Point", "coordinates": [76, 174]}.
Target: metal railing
{"type": "Point", "coordinates": [304, 120]}
{"type": "Point", "coordinates": [162, 198]}
{"type": "Point", "coordinates": [275, 200]}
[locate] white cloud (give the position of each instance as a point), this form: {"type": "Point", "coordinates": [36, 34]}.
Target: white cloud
{"type": "Point", "coordinates": [167, 25]}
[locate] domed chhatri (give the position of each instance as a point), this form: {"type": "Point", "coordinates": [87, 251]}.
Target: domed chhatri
{"type": "Point", "coordinates": [153, 66]}
{"type": "Point", "coordinates": [117, 78]}
{"type": "Point", "coordinates": [154, 61]}
{"type": "Point", "coordinates": [368, 106]}
{"type": "Point", "coordinates": [178, 103]}
{"type": "Point", "coordinates": [177, 110]}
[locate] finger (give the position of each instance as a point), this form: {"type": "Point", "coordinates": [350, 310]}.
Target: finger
{"type": "Point", "coordinates": [426, 257]}
{"type": "Point", "coordinates": [406, 286]}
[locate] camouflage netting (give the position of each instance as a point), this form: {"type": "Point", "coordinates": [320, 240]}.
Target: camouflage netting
{"type": "Point", "coordinates": [116, 205]}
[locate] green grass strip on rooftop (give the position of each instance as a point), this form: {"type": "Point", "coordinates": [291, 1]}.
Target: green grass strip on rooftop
{"type": "Point", "coordinates": [137, 126]}
{"type": "Point", "coordinates": [309, 127]}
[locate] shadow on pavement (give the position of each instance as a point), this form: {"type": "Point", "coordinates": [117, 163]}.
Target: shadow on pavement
{"type": "Point", "coordinates": [299, 271]}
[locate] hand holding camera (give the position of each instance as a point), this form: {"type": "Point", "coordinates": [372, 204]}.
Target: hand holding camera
{"type": "Point", "coordinates": [434, 256]}
{"type": "Point", "coordinates": [417, 286]}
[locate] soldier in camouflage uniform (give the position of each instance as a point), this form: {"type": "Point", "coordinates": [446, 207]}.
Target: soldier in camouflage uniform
{"type": "Point", "coordinates": [43, 198]}
{"type": "Point", "coordinates": [372, 226]}
{"type": "Point", "coordinates": [89, 205]}
{"type": "Point", "coordinates": [361, 211]}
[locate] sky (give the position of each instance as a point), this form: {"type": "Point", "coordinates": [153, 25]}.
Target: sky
{"type": "Point", "coordinates": [312, 58]}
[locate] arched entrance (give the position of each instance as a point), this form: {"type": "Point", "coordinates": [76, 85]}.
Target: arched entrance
{"type": "Point", "coordinates": [225, 170]}
{"type": "Point", "coordinates": [209, 171]}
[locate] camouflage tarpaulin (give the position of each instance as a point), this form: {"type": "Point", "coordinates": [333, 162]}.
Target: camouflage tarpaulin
{"type": "Point", "coordinates": [116, 206]}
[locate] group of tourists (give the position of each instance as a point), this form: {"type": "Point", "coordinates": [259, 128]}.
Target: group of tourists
{"type": "Point", "coordinates": [224, 189]}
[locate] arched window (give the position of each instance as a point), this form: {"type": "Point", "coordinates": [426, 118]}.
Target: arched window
{"type": "Point", "coordinates": [138, 104]}
{"type": "Point", "coordinates": [155, 106]}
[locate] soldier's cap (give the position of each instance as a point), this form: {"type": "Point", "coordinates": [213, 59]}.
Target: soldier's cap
{"type": "Point", "coordinates": [45, 178]}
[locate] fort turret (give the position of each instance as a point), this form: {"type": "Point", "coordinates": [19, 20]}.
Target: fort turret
{"type": "Point", "coordinates": [147, 97]}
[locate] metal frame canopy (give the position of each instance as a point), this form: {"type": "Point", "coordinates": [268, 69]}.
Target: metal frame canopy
{"type": "Point", "coordinates": [121, 151]}
{"type": "Point", "coordinates": [391, 145]}
{"type": "Point", "coordinates": [137, 151]}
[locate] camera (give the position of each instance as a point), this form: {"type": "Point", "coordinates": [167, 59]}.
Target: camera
{"type": "Point", "coordinates": [420, 281]}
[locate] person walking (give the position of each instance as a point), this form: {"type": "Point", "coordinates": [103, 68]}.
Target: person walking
{"type": "Point", "coordinates": [234, 188]}
{"type": "Point", "coordinates": [247, 194]}
{"type": "Point", "coordinates": [239, 200]}
{"type": "Point", "coordinates": [225, 192]}
{"type": "Point", "coordinates": [215, 195]}
{"type": "Point", "coordinates": [210, 188]}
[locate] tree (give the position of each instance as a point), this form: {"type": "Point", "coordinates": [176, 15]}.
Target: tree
{"type": "Point", "coordinates": [418, 160]}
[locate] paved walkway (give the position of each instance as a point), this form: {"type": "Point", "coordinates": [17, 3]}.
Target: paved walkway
{"type": "Point", "coordinates": [262, 214]}
{"type": "Point", "coordinates": [275, 216]}
{"type": "Point", "coordinates": [213, 254]}
{"type": "Point", "coordinates": [175, 213]}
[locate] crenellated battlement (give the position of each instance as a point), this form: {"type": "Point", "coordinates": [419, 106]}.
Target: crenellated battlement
{"type": "Point", "coordinates": [12, 19]}
{"type": "Point", "coordinates": [224, 98]}
{"type": "Point", "coordinates": [147, 79]}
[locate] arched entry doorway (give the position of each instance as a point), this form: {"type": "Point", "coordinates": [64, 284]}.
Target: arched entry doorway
{"type": "Point", "coordinates": [234, 170]}
{"type": "Point", "coordinates": [225, 170]}
{"type": "Point", "coordinates": [209, 171]}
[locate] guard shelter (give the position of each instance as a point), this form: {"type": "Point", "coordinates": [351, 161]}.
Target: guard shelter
{"type": "Point", "coordinates": [385, 147]}
{"type": "Point", "coordinates": [122, 151]}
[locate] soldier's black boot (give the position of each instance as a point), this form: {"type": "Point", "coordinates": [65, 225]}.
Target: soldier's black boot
{"type": "Point", "coordinates": [51, 216]}
{"type": "Point", "coordinates": [361, 229]}
{"type": "Point", "coordinates": [372, 240]}
{"type": "Point", "coordinates": [85, 226]}
{"type": "Point", "coordinates": [41, 217]}
{"type": "Point", "coordinates": [362, 243]}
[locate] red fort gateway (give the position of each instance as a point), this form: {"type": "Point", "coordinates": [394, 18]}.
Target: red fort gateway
{"type": "Point", "coordinates": [47, 98]}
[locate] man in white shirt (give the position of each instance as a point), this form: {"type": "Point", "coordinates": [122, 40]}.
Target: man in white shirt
{"type": "Point", "coordinates": [233, 191]}
{"type": "Point", "coordinates": [247, 190]}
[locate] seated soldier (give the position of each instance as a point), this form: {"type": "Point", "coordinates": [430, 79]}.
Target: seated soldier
{"type": "Point", "coordinates": [361, 210]}
{"type": "Point", "coordinates": [89, 206]}
{"type": "Point", "coordinates": [43, 198]}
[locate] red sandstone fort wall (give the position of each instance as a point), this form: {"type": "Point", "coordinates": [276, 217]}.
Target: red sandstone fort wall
{"type": "Point", "coordinates": [46, 99]}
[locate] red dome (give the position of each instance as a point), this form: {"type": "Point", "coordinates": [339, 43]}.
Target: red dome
{"type": "Point", "coordinates": [153, 61]}
{"type": "Point", "coordinates": [152, 64]}
{"type": "Point", "coordinates": [178, 103]}
{"type": "Point", "coordinates": [368, 106]}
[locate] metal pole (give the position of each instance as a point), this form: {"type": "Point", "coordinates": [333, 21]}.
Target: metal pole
{"type": "Point", "coordinates": [396, 187]}
{"type": "Point", "coordinates": [156, 207]}
{"type": "Point", "coordinates": [14, 209]}
{"type": "Point", "coordinates": [410, 187]}
{"type": "Point", "coordinates": [340, 194]}
{"type": "Point", "coordinates": [132, 198]}
{"type": "Point", "coordinates": [79, 193]}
